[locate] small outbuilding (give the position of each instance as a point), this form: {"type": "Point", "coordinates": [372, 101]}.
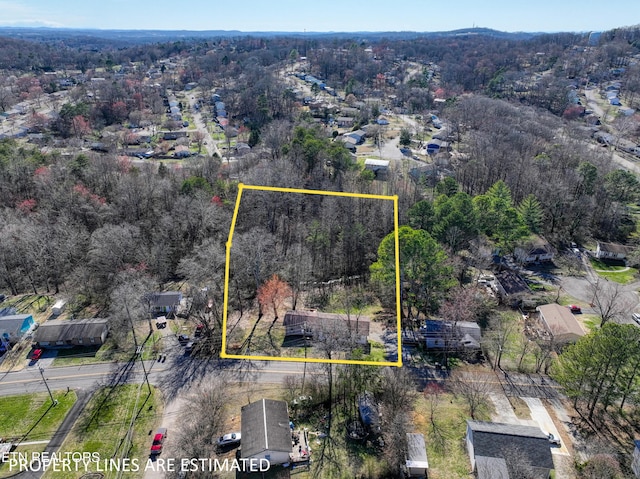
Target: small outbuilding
{"type": "Point", "coordinates": [58, 307]}
{"type": "Point", "coordinates": [416, 463]}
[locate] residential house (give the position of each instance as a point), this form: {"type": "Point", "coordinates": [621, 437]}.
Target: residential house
{"type": "Point", "coordinates": [60, 333]}
{"type": "Point", "coordinates": [416, 463]}
{"type": "Point", "coordinates": [635, 463]}
{"type": "Point", "coordinates": [508, 283]}
{"type": "Point", "coordinates": [358, 135]}
{"type": "Point", "coordinates": [438, 334]}
{"type": "Point", "coordinates": [436, 145]}
{"type": "Point", "coordinates": [560, 322]}
{"type": "Point", "coordinates": [536, 249]}
{"type": "Point", "coordinates": [173, 135]}
{"type": "Point", "coordinates": [165, 303]}
{"type": "Point", "coordinates": [349, 143]}
{"type": "Point", "coordinates": [379, 167]}
{"type": "Point", "coordinates": [345, 121]}
{"type": "Point", "coordinates": [265, 431]}
{"type": "Point", "coordinates": [181, 151]}
{"type": "Point", "coordinates": [604, 138]}
{"type": "Point", "coordinates": [14, 327]}
{"type": "Point", "coordinates": [492, 446]}
{"type": "Point", "coordinates": [242, 149]}
{"type": "Point", "coordinates": [611, 251]}
{"type": "Point", "coordinates": [317, 325]}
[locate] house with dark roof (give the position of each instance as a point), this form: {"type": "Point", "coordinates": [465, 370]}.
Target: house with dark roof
{"type": "Point", "coordinates": [534, 250]}
{"type": "Point", "coordinates": [435, 145]}
{"type": "Point", "coordinates": [61, 333]}
{"type": "Point", "coordinates": [13, 327]}
{"type": "Point", "coordinates": [560, 323]}
{"type": "Point", "coordinates": [460, 335]}
{"type": "Point", "coordinates": [494, 449]}
{"type": "Point", "coordinates": [265, 431]}
{"type": "Point", "coordinates": [165, 303]}
{"type": "Point", "coordinates": [316, 324]}
{"type": "Point", "coordinates": [509, 283]}
{"type": "Point", "coordinates": [358, 136]}
{"type": "Point", "coordinates": [635, 463]}
{"type": "Point", "coordinates": [613, 251]}
{"type": "Point", "coordinates": [416, 463]}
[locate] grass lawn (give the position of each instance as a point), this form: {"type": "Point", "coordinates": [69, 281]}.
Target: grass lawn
{"type": "Point", "coordinates": [110, 351]}
{"type": "Point", "coordinates": [589, 321]}
{"type": "Point", "coordinates": [619, 274]}
{"type": "Point", "coordinates": [30, 417]}
{"type": "Point", "coordinates": [104, 424]}
{"type": "Point", "coordinates": [445, 441]}
{"type": "Point", "coordinates": [377, 352]}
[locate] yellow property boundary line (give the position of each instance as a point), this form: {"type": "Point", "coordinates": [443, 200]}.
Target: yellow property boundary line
{"type": "Point", "coordinates": [242, 187]}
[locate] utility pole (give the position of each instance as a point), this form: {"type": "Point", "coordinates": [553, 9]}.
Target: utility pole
{"type": "Point", "coordinates": [53, 401]}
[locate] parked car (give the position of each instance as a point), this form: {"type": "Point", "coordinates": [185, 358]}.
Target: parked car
{"type": "Point", "coordinates": [231, 439]}
{"type": "Point", "coordinates": [158, 441]}
{"type": "Point", "coordinates": [553, 440]}
{"type": "Point", "coordinates": [198, 332]}
{"type": "Point", "coordinates": [574, 309]}
{"type": "Point", "coordinates": [36, 355]}
{"type": "Point", "coordinates": [189, 347]}
{"type": "Point", "coordinates": [636, 317]}
{"type": "Point", "coordinates": [183, 338]}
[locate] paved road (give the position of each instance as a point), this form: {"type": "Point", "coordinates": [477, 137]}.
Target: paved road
{"type": "Point", "coordinates": [209, 144]}
{"type": "Point", "coordinates": [177, 372]}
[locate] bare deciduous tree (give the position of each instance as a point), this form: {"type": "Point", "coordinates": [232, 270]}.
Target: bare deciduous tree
{"type": "Point", "coordinates": [608, 300]}
{"type": "Point", "coordinates": [473, 388]}
{"type": "Point", "coordinates": [202, 422]}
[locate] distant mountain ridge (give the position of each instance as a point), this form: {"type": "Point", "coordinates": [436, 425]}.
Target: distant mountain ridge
{"type": "Point", "coordinates": [151, 36]}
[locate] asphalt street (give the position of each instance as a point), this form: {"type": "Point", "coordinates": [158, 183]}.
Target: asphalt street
{"type": "Point", "coordinates": [181, 371]}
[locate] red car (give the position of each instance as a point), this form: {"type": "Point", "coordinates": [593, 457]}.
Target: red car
{"type": "Point", "coordinates": [36, 355]}
{"type": "Point", "coordinates": [574, 309]}
{"type": "Point", "coordinates": [158, 439]}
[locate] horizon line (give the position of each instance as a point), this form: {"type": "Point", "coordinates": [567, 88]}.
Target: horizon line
{"type": "Point", "coordinates": [301, 32]}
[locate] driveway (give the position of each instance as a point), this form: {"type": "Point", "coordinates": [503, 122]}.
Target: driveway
{"type": "Point", "coordinates": [541, 416]}
{"type": "Point", "coordinates": [170, 421]}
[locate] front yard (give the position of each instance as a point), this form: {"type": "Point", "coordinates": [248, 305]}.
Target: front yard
{"type": "Point", "coordinates": [116, 423]}
{"type": "Point", "coordinates": [618, 273]}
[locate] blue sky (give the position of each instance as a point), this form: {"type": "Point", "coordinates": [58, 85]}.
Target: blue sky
{"type": "Point", "coordinates": [323, 15]}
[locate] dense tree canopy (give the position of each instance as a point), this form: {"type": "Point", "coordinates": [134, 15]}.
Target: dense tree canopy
{"type": "Point", "coordinates": [424, 272]}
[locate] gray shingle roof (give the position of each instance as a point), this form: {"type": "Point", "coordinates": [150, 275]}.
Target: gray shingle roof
{"type": "Point", "coordinates": [294, 321]}
{"type": "Point", "coordinates": [265, 427]}
{"type": "Point", "coordinates": [492, 439]}
{"type": "Point", "coordinates": [167, 300]}
{"type": "Point", "coordinates": [69, 330]}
